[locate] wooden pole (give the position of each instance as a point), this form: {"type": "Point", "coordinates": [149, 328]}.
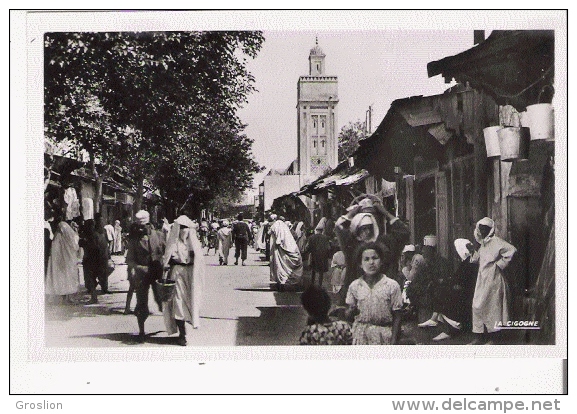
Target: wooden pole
{"type": "Point", "coordinates": [480, 158]}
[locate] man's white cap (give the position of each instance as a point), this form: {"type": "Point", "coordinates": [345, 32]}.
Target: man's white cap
{"type": "Point", "coordinates": [409, 248]}
{"type": "Point", "coordinates": [143, 217]}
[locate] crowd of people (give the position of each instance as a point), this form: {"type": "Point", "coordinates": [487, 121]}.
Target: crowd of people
{"type": "Point", "coordinates": [384, 280]}
{"type": "Point", "coordinates": [169, 261]}
{"type": "Point", "coordinates": [375, 277]}
{"type": "Point", "coordinates": [76, 239]}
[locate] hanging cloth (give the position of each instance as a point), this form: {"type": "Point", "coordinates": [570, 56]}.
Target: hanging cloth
{"type": "Point", "coordinates": [72, 204]}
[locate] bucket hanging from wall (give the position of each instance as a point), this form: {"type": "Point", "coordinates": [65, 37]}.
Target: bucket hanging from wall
{"type": "Point", "coordinates": [430, 240]}
{"type": "Point", "coordinates": [524, 119]}
{"type": "Point", "coordinates": [514, 143]}
{"type": "Point", "coordinates": [542, 116]}
{"type": "Point", "coordinates": [541, 121]}
{"type": "Point", "coordinates": [492, 141]}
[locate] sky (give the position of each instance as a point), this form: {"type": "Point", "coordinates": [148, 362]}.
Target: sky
{"type": "Point", "coordinates": [374, 67]}
{"type": "Point", "coordinates": [377, 55]}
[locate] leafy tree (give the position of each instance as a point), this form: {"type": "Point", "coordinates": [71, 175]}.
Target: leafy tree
{"type": "Point", "coordinates": [162, 101]}
{"type": "Point", "coordinates": [209, 165]}
{"type": "Point", "coordinates": [349, 138]}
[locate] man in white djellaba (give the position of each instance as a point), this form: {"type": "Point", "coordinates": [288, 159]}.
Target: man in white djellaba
{"type": "Point", "coordinates": [490, 302]}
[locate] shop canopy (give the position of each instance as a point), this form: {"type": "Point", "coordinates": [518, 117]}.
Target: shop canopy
{"type": "Point", "coordinates": [62, 166]}
{"type": "Point", "coordinates": [413, 127]}
{"type": "Point", "coordinates": [341, 175]}
{"type": "Point", "coordinates": [515, 67]}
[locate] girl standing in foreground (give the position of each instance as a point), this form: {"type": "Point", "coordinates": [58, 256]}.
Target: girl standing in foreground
{"type": "Point", "coordinates": [375, 299]}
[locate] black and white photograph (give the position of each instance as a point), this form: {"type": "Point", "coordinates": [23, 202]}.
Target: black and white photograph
{"type": "Point", "coordinates": [235, 185]}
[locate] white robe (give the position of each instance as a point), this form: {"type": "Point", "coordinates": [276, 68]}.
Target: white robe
{"type": "Point", "coordinates": [260, 242]}
{"type": "Point", "coordinates": [225, 238]}
{"type": "Point", "coordinates": [117, 239]}
{"type": "Point", "coordinates": [490, 302]}
{"type": "Point", "coordinates": [62, 270]}
{"type": "Point", "coordinates": [286, 264]}
{"type": "Point", "coordinates": [185, 305]}
{"type": "Point", "coordinates": [110, 233]}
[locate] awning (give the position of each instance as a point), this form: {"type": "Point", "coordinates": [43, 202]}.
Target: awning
{"type": "Point", "coordinates": [513, 66]}
{"type": "Point", "coordinates": [441, 133]}
{"type": "Point", "coordinates": [401, 136]}
{"type": "Point", "coordinates": [63, 166]}
{"type": "Point", "coordinates": [341, 175]}
{"type": "Point", "coordinates": [352, 178]}
{"type": "Point", "coordinates": [421, 117]}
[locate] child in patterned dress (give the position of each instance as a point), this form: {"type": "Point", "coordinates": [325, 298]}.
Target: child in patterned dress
{"type": "Point", "coordinates": [374, 299]}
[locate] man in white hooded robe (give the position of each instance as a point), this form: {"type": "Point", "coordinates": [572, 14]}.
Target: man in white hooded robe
{"type": "Point", "coordinates": [490, 302]}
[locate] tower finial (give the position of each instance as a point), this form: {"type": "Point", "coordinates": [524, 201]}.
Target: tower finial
{"type": "Point", "coordinates": [317, 40]}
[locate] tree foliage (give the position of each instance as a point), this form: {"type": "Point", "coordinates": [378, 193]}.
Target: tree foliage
{"type": "Point", "coordinates": [349, 138]}
{"type": "Point", "coordinates": [156, 105]}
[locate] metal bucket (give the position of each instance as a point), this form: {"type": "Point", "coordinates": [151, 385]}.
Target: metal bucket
{"type": "Point", "coordinates": [430, 240]}
{"type": "Point", "coordinates": [166, 289]}
{"type": "Point", "coordinates": [514, 143]}
{"type": "Point", "coordinates": [492, 141]}
{"type": "Point", "coordinates": [524, 119]}
{"type": "Point", "coordinates": [542, 121]}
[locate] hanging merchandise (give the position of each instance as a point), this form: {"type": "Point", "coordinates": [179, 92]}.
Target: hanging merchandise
{"type": "Point", "coordinates": [72, 204]}
{"type": "Point", "coordinates": [514, 143]}
{"type": "Point", "coordinates": [87, 209]}
{"type": "Point", "coordinates": [492, 141]}
{"type": "Point", "coordinates": [541, 121]}
{"type": "Point", "coordinates": [542, 116]}
{"type": "Point", "coordinates": [524, 119]}
{"type": "Point", "coordinates": [430, 240]}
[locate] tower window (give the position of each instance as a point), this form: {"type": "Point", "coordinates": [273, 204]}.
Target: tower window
{"type": "Point", "coordinates": [323, 149]}
{"type": "Point", "coordinates": [318, 67]}
{"type": "Point", "coordinates": [322, 124]}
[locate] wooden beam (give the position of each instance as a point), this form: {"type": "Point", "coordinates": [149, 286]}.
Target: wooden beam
{"type": "Point", "coordinates": [480, 156]}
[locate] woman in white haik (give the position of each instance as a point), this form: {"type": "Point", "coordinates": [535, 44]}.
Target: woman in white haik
{"type": "Point", "coordinates": [490, 303]}
{"type": "Point", "coordinates": [286, 265]}
{"type": "Point", "coordinates": [184, 260]}
{"type": "Point", "coordinates": [62, 268]}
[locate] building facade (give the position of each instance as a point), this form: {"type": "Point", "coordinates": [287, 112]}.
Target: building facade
{"type": "Point", "coordinates": [317, 95]}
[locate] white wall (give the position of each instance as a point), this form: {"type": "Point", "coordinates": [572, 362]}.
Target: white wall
{"type": "Point", "coordinates": [278, 185]}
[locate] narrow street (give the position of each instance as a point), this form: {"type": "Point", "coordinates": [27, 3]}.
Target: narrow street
{"type": "Point", "coordinates": [238, 308]}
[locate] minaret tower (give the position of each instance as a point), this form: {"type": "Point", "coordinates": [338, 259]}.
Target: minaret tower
{"type": "Point", "coordinates": [317, 118]}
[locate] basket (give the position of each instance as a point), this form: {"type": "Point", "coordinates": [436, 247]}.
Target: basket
{"type": "Point", "coordinates": [166, 289]}
{"type": "Point", "coordinates": [110, 266]}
